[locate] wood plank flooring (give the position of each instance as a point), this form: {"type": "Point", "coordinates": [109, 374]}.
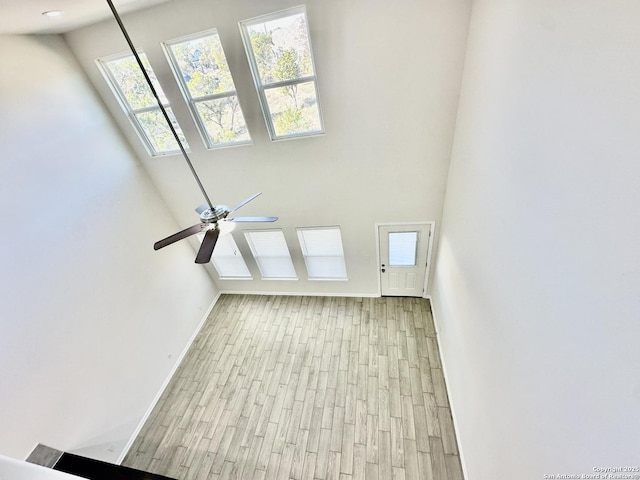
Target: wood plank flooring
{"type": "Point", "coordinates": [283, 387]}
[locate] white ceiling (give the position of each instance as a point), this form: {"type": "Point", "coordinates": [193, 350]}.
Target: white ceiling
{"type": "Point", "coordinates": [26, 16]}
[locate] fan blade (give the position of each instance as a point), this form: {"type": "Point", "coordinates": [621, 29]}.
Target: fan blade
{"type": "Point", "coordinates": [178, 236]}
{"type": "Point", "coordinates": [201, 209]}
{"type": "Point", "coordinates": [208, 244]}
{"type": "Point", "coordinates": [245, 201]}
{"type": "Point", "coordinates": [253, 219]}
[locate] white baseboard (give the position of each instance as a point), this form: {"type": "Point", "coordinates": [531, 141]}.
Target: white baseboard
{"type": "Point", "coordinates": [145, 417]}
{"type": "Point", "coordinates": [302, 294]}
{"type": "Point", "coordinates": [446, 380]}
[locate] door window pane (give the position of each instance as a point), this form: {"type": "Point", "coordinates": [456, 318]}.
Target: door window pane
{"type": "Point", "coordinates": [403, 247]}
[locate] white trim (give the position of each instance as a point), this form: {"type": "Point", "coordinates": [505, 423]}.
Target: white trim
{"type": "Point", "coordinates": [177, 363]}
{"type": "Point", "coordinates": [432, 227]}
{"type": "Point", "coordinates": [302, 294]}
{"type": "Point", "coordinates": [268, 17]}
{"type": "Point", "coordinates": [446, 381]}
{"type": "Point", "coordinates": [432, 234]}
{"type": "Point", "coordinates": [377, 237]}
{"type": "Point", "coordinates": [280, 279]}
{"type": "Point", "coordinates": [329, 279]}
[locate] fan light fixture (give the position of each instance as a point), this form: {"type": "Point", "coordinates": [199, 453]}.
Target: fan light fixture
{"type": "Point", "coordinates": [226, 227]}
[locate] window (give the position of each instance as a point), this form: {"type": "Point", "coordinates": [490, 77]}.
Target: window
{"type": "Point", "coordinates": [228, 260]}
{"type": "Point", "coordinates": [323, 254]}
{"type": "Point", "coordinates": [130, 87]}
{"type": "Point", "coordinates": [278, 47]}
{"type": "Point", "coordinates": [270, 250]}
{"type": "Point", "coordinates": [201, 69]}
{"type": "Point", "coordinates": [403, 247]}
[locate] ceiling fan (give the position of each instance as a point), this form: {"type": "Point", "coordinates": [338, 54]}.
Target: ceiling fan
{"type": "Point", "coordinates": [213, 221]}
{"type": "Point", "coordinates": [213, 218]}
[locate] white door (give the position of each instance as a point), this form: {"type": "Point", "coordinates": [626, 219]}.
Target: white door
{"type": "Point", "coordinates": [403, 259]}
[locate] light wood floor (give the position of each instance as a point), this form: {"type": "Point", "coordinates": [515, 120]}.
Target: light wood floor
{"type": "Point", "coordinates": [306, 388]}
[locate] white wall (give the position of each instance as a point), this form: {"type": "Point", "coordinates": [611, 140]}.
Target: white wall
{"type": "Point", "coordinates": [388, 75]}
{"type": "Point", "coordinates": [90, 313]}
{"type": "Point", "coordinates": [538, 278]}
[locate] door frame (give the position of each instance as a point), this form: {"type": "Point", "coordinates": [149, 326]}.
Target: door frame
{"type": "Point", "coordinates": [432, 226]}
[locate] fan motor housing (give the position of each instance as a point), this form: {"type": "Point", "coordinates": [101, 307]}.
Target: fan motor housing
{"type": "Point", "coordinates": [219, 212]}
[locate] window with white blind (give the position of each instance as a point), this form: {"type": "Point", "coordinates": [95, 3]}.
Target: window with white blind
{"type": "Point", "coordinates": [228, 260]}
{"type": "Point", "coordinates": [323, 253]}
{"type": "Point", "coordinates": [271, 252]}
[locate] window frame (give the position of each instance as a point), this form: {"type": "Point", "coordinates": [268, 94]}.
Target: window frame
{"type": "Point", "coordinates": [130, 112]}
{"type": "Point", "coordinates": [192, 101]}
{"type": "Point", "coordinates": [262, 88]}
{"type": "Point", "coordinates": [306, 255]}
